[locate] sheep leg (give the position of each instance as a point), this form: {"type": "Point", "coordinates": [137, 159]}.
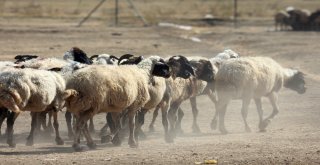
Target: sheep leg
{"type": "Point", "coordinates": [34, 120]}
{"type": "Point", "coordinates": [58, 139]}
{"type": "Point", "coordinates": [104, 129]}
{"type": "Point", "coordinates": [80, 127]}
{"type": "Point", "coordinates": [87, 135]}
{"type": "Point", "coordinates": [139, 123]}
{"type": "Point", "coordinates": [49, 125]}
{"type": "Point", "coordinates": [273, 99]}
{"type": "Point", "coordinates": [132, 142]}
{"type": "Point", "coordinates": [178, 123]}
{"type": "Point", "coordinates": [214, 121]}
{"type": "Point", "coordinates": [195, 111]}
{"type": "Point", "coordinates": [91, 126]}
{"type": "Point", "coordinates": [260, 113]}
{"type": "Point", "coordinates": [68, 117]}
{"type": "Point", "coordinates": [76, 138]}
{"type": "Point", "coordinates": [221, 108]}
{"type": "Point", "coordinates": [244, 113]}
{"type": "Point", "coordinates": [164, 111]}
{"type": "Point", "coordinates": [154, 117]}
{"type": "Point", "coordinates": [115, 128]}
{"type": "Point", "coordinates": [39, 120]}
{"type": "Point", "coordinates": [172, 117]}
{"type": "Point", "coordinates": [42, 122]}
{"type": "Point", "coordinates": [10, 122]}
{"type": "Point", "coordinates": [3, 115]}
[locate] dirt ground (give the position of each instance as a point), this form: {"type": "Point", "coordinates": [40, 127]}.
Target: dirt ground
{"type": "Point", "coordinates": [292, 138]}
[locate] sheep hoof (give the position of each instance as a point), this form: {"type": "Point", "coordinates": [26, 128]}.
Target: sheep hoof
{"type": "Point", "coordinates": [77, 147]}
{"type": "Point", "coordinates": [196, 129]}
{"type": "Point", "coordinates": [263, 125]}
{"type": "Point", "coordinates": [49, 130]}
{"type": "Point", "coordinates": [224, 131]}
{"type": "Point", "coordinates": [70, 135]}
{"type": "Point", "coordinates": [214, 124]}
{"type": "Point", "coordinates": [59, 141]}
{"type": "Point", "coordinates": [179, 132]}
{"type": "Point", "coordinates": [116, 141]}
{"type": "Point", "coordinates": [151, 128]}
{"type": "Point", "coordinates": [29, 142]}
{"type": "Point", "coordinates": [169, 139]}
{"type": "Point", "coordinates": [142, 135]}
{"type": "Point", "coordinates": [11, 144]}
{"type": "Point", "coordinates": [133, 145]}
{"type": "Point", "coordinates": [106, 139]}
{"type": "Point", "coordinates": [92, 145]}
{"type": "Point", "coordinates": [248, 129]}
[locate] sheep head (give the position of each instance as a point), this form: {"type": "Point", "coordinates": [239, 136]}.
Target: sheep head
{"type": "Point", "coordinates": [296, 82]}
{"type": "Point", "coordinates": [23, 58]}
{"type": "Point", "coordinates": [161, 69]}
{"type": "Point", "coordinates": [129, 59]}
{"type": "Point", "coordinates": [180, 67]}
{"type": "Point", "coordinates": [203, 70]}
{"type": "Point", "coordinates": [76, 54]}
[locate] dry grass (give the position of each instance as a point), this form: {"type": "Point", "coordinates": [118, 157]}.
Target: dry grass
{"type": "Point", "coordinates": [154, 11]}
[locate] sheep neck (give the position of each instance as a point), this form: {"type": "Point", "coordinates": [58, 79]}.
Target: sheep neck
{"type": "Point", "coordinates": [288, 74]}
{"type": "Point", "coordinates": [147, 66]}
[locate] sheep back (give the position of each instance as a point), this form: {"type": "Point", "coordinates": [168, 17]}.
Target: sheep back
{"type": "Point", "coordinates": [248, 76]}
{"type": "Point", "coordinates": [105, 88]}
{"type": "Point", "coordinates": [31, 90]}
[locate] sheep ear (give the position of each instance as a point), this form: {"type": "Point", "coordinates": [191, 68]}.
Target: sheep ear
{"type": "Point", "coordinates": [55, 69]}
{"type": "Point", "coordinates": [114, 57]}
{"type": "Point", "coordinates": [125, 56]}
{"type": "Point", "coordinates": [94, 56]}
{"type": "Point", "coordinates": [217, 64]}
{"type": "Point", "coordinates": [69, 92]}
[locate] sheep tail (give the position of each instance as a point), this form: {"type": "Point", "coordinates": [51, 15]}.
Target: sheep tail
{"type": "Point", "coordinates": [6, 94]}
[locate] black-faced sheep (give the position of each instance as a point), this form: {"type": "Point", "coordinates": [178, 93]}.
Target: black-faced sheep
{"type": "Point", "coordinates": [204, 87]}
{"type": "Point", "coordinates": [281, 20]}
{"type": "Point", "coordinates": [111, 89]}
{"type": "Point", "coordinates": [252, 78]}
{"type": "Point", "coordinates": [299, 19]}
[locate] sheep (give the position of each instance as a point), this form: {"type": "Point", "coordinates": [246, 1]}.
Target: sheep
{"type": "Point", "coordinates": [76, 54]}
{"type": "Point", "coordinates": [104, 59]}
{"type": "Point", "coordinates": [111, 89]}
{"type": "Point", "coordinates": [67, 66]}
{"type": "Point", "coordinates": [4, 113]}
{"type": "Point", "coordinates": [281, 20]}
{"type": "Point", "coordinates": [203, 67]}
{"type": "Point", "coordinates": [178, 90]}
{"type": "Point", "coordinates": [31, 90]}
{"type": "Point", "coordinates": [156, 91]}
{"type": "Point", "coordinates": [298, 19]}
{"type": "Point", "coordinates": [249, 78]}
{"type": "Point", "coordinates": [314, 20]}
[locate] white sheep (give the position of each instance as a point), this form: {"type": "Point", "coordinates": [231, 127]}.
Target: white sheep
{"type": "Point", "coordinates": [252, 78]}
{"type": "Point", "coordinates": [31, 90]}
{"type": "Point", "coordinates": [103, 88]}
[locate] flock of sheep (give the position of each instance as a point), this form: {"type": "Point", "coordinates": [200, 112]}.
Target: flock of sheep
{"type": "Point", "coordinates": [126, 88]}
{"type": "Point", "coordinates": [297, 19]}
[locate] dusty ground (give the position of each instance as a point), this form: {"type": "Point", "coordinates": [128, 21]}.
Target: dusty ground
{"type": "Point", "coordinates": [292, 138]}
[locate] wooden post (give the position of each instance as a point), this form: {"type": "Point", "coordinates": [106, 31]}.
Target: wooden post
{"type": "Point", "coordinates": [235, 13]}
{"type": "Point", "coordinates": [116, 12]}
{"type": "Point", "coordinates": [90, 13]}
